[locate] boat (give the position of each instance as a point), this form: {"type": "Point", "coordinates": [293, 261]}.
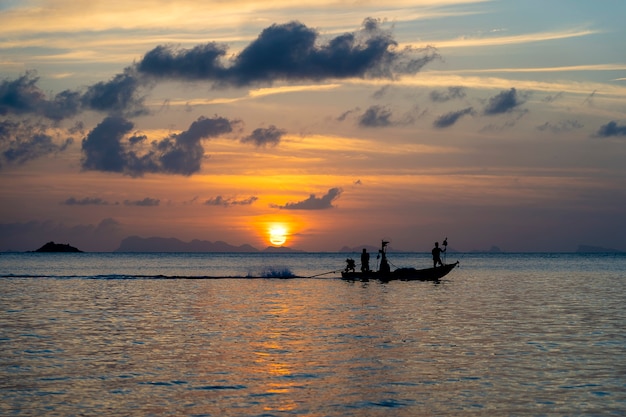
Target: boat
{"type": "Point", "coordinates": [385, 274]}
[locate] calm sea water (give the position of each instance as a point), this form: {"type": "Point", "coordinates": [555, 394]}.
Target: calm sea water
{"type": "Point", "coordinates": [118, 335]}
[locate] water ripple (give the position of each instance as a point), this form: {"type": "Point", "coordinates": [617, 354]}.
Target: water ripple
{"type": "Point", "coordinates": [503, 342]}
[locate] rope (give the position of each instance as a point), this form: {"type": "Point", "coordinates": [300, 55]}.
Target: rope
{"type": "Point", "coordinates": [325, 273]}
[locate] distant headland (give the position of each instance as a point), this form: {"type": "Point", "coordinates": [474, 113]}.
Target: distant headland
{"type": "Point", "coordinates": [57, 247]}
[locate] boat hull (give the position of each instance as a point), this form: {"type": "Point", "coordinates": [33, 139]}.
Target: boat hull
{"type": "Point", "coordinates": [402, 274]}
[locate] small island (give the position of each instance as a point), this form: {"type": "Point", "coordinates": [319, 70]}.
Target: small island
{"type": "Point", "coordinates": [57, 247]}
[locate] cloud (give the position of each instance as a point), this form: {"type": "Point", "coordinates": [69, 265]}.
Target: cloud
{"type": "Point", "coordinates": [452, 93]}
{"type": "Point", "coordinates": [265, 136]}
{"type": "Point", "coordinates": [227, 202]}
{"type": "Point", "coordinates": [103, 149]}
{"type": "Point", "coordinates": [381, 92]}
{"type": "Point", "coordinates": [146, 202]}
{"type": "Point", "coordinates": [119, 96]}
{"type": "Point", "coordinates": [611, 129]}
{"type": "Point", "coordinates": [201, 62]}
{"type": "Point", "coordinates": [448, 119]}
{"type": "Point", "coordinates": [107, 147]}
{"type": "Point", "coordinates": [293, 52]}
{"type": "Point", "coordinates": [589, 99]}
{"type": "Point", "coordinates": [281, 52]}
{"type": "Point", "coordinates": [562, 126]}
{"type": "Point", "coordinates": [343, 116]}
{"type": "Point", "coordinates": [504, 102]}
{"type": "Point", "coordinates": [376, 116]}
{"type": "Point", "coordinates": [21, 142]}
{"type": "Point", "coordinates": [182, 153]}
{"type": "Point", "coordinates": [23, 96]}
{"type": "Point", "coordinates": [552, 98]}
{"type": "Point", "coordinates": [87, 201]}
{"type": "Point", "coordinates": [313, 202]}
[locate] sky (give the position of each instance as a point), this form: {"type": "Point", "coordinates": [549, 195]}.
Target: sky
{"type": "Point", "coordinates": [314, 125]}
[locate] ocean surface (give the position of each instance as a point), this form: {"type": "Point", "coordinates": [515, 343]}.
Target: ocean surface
{"type": "Point", "coordinates": [94, 334]}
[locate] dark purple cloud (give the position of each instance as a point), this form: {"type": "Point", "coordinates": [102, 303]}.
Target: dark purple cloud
{"type": "Point", "coordinates": [452, 93]}
{"type": "Point", "coordinates": [612, 128]}
{"type": "Point", "coordinates": [227, 202]}
{"type": "Point", "coordinates": [108, 147]}
{"type": "Point", "coordinates": [265, 136]}
{"type": "Point", "coordinates": [290, 51]}
{"type": "Point", "coordinates": [118, 96]}
{"type": "Point", "coordinates": [448, 119]}
{"type": "Point", "coordinates": [313, 202]}
{"type": "Point", "coordinates": [23, 96]}
{"type": "Point", "coordinates": [343, 116]}
{"type": "Point", "coordinates": [198, 63]}
{"type": "Point", "coordinates": [87, 201]}
{"type": "Point", "coordinates": [21, 142]}
{"type": "Point", "coordinates": [504, 102]}
{"type": "Point", "coordinates": [103, 148]}
{"type": "Point", "coordinates": [146, 202]}
{"type": "Point", "coordinates": [376, 116]}
{"type": "Point", "coordinates": [562, 126]}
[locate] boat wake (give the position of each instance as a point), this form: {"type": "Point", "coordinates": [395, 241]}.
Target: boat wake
{"type": "Point", "coordinates": [273, 272]}
{"type": "Point", "coordinates": [265, 274]}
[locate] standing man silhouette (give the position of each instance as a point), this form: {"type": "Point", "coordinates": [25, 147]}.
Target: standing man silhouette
{"type": "Point", "coordinates": [365, 261]}
{"type": "Point", "coordinates": [437, 251]}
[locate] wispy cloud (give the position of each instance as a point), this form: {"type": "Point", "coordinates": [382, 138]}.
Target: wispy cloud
{"type": "Point", "coordinates": [465, 42]}
{"type": "Point", "coordinates": [253, 93]}
{"type": "Point", "coordinates": [569, 68]}
{"type": "Point", "coordinates": [228, 201]}
{"type": "Point", "coordinates": [261, 92]}
{"type": "Point", "coordinates": [443, 79]}
{"type": "Point", "coordinates": [102, 15]}
{"type": "Point", "coordinates": [146, 202]}
{"type": "Point", "coordinates": [448, 119]}
{"type": "Point", "coordinates": [86, 201]}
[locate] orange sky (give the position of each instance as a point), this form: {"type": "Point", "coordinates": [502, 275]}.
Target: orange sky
{"type": "Point", "coordinates": [510, 132]}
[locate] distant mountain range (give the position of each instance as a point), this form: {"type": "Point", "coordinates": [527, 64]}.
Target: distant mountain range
{"type": "Point", "coordinates": [163, 244]}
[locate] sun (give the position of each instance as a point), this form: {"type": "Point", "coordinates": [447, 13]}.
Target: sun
{"type": "Point", "coordinates": [277, 234]}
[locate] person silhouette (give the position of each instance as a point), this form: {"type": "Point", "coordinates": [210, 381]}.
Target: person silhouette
{"type": "Point", "coordinates": [437, 251]}
{"type": "Point", "coordinates": [365, 261]}
{"type": "Point", "coordinates": [350, 267]}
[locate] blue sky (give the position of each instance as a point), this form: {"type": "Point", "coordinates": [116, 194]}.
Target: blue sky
{"type": "Point", "coordinates": [490, 122]}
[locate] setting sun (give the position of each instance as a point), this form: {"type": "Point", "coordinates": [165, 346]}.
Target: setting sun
{"type": "Point", "coordinates": [277, 234]}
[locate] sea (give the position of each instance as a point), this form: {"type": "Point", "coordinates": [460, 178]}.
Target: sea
{"type": "Point", "coordinates": [280, 334]}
